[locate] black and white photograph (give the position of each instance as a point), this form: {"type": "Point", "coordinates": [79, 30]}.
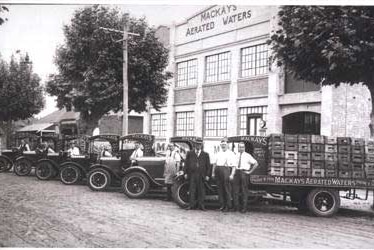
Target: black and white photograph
{"type": "Point", "coordinates": [202, 124]}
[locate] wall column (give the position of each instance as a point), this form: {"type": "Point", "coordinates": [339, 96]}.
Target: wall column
{"type": "Point", "coordinates": [232, 111]}
{"type": "Point", "coordinates": [199, 112]}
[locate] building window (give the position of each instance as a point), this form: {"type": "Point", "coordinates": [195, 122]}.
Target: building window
{"type": "Point", "coordinates": [218, 67]}
{"type": "Point", "coordinates": [254, 60]}
{"type": "Point", "coordinates": [185, 124]}
{"type": "Point", "coordinates": [158, 124]}
{"type": "Point", "coordinates": [302, 123]}
{"type": "Point", "coordinates": [187, 73]}
{"type": "Point", "coordinates": [215, 122]}
{"type": "Point", "coordinates": [250, 118]}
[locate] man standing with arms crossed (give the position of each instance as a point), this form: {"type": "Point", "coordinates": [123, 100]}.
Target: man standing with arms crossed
{"type": "Point", "coordinates": [222, 167]}
{"type": "Point", "coordinates": [246, 164]}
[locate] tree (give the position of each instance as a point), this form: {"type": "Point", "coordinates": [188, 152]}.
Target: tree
{"type": "Point", "coordinates": [90, 66]}
{"type": "Point", "coordinates": [3, 9]}
{"type": "Point", "coordinates": [327, 44]}
{"type": "Point", "coordinates": [21, 95]}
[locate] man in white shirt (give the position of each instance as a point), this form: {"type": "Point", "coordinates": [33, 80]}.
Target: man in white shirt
{"type": "Point", "coordinates": [245, 165]}
{"type": "Point", "coordinates": [138, 152]}
{"type": "Point", "coordinates": [73, 150]}
{"type": "Point", "coordinates": [222, 167]}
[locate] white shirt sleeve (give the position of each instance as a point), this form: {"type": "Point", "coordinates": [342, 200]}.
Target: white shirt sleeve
{"type": "Point", "coordinates": [140, 153]}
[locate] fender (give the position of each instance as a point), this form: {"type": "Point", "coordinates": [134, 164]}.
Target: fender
{"type": "Point", "coordinates": [7, 159]}
{"type": "Point", "coordinates": [95, 166]}
{"type": "Point", "coordinates": [142, 170]}
{"type": "Point", "coordinates": [75, 164]}
{"type": "Point", "coordinates": [179, 176]}
{"type": "Point", "coordinates": [24, 157]}
{"type": "Point", "coordinates": [54, 164]}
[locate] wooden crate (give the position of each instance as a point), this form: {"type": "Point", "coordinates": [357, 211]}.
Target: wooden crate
{"type": "Point", "coordinates": [290, 146]}
{"type": "Point", "coordinates": [318, 156]}
{"type": "Point", "coordinates": [369, 158]}
{"type": "Point", "coordinates": [290, 172]}
{"type": "Point", "coordinates": [358, 167]}
{"type": "Point", "coordinates": [369, 174]}
{"type": "Point", "coordinates": [369, 142]}
{"type": "Point", "coordinates": [277, 145]}
{"type": "Point", "coordinates": [331, 173]}
{"type": "Point", "coordinates": [369, 166]}
{"type": "Point", "coordinates": [303, 147]}
{"type": "Point", "coordinates": [358, 174]}
{"type": "Point", "coordinates": [344, 140]}
{"type": "Point", "coordinates": [276, 171]}
{"type": "Point", "coordinates": [344, 149]}
{"type": "Point", "coordinates": [276, 138]}
{"type": "Point", "coordinates": [330, 140]}
{"type": "Point", "coordinates": [304, 172]}
{"type": "Point", "coordinates": [318, 173]}
{"type": "Point", "coordinates": [318, 147]}
{"type": "Point", "coordinates": [290, 163]}
{"type": "Point", "coordinates": [318, 165]}
{"type": "Point", "coordinates": [331, 165]}
{"type": "Point", "coordinates": [369, 150]}
{"type": "Point", "coordinates": [358, 142]}
{"type": "Point", "coordinates": [278, 163]}
{"type": "Point", "coordinates": [292, 155]}
{"type": "Point", "coordinates": [344, 158]}
{"type": "Point", "coordinates": [357, 149]}
{"type": "Point", "coordinates": [358, 158]}
{"type": "Point", "coordinates": [318, 139]}
{"type": "Point", "coordinates": [344, 174]}
{"type": "Point", "coordinates": [345, 166]}
{"type": "Point", "coordinates": [276, 153]}
{"type": "Point", "coordinates": [331, 148]}
{"type": "Point", "coordinates": [303, 138]}
{"type": "Point", "coordinates": [303, 163]}
{"type": "Point", "coordinates": [290, 138]}
{"type": "Point", "coordinates": [331, 157]}
{"type": "Point", "coordinates": [303, 156]}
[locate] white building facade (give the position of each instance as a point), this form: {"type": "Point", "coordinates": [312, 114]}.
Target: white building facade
{"type": "Point", "coordinates": [222, 84]}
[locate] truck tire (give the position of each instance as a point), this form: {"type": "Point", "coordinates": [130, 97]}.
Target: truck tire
{"type": "Point", "coordinates": [135, 185]}
{"type": "Point", "coordinates": [323, 202]}
{"type": "Point", "coordinates": [180, 191]}
{"type": "Point", "coordinates": [5, 165]}
{"type": "Point", "coordinates": [44, 170]}
{"type": "Point", "coordinates": [70, 174]}
{"type": "Point", "coordinates": [22, 167]}
{"type": "Point", "coordinates": [99, 179]}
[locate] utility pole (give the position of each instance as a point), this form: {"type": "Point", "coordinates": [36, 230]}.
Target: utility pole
{"type": "Point", "coordinates": [125, 107]}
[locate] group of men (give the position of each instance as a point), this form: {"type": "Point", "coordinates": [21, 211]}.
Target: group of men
{"type": "Point", "coordinates": [231, 172]}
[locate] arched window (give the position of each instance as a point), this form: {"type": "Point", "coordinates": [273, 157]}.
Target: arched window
{"type": "Point", "coordinates": [302, 123]}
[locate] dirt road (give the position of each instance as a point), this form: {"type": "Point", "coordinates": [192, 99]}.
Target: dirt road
{"type": "Point", "coordinates": [49, 214]}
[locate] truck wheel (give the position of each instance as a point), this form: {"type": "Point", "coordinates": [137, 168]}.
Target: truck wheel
{"type": "Point", "coordinates": [323, 202]}
{"type": "Point", "coordinates": [135, 185]}
{"type": "Point", "coordinates": [181, 194]}
{"type": "Point", "coordinates": [98, 179]}
{"type": "Point", "coordinates": [5, 165]}
{"type": "Point", "coordinates": [70, 174]}
{"type": "Point", "coordinates": [22, 167]}
{"type": "Point", "coordinates": [44, 170]}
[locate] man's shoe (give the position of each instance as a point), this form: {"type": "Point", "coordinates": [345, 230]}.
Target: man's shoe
{"type": "Point", "coordinates": [225, 209]}
{"type": "Point", "coordinates": [189, 208]}
{"type": "Point", "coordinates": [243, 210]}
{"type": "Point", "coordinates": [202, 208]}
{"type": "Point", "coordinates": [222, 208]}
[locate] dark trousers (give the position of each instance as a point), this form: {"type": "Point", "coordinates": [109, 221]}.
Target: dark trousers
{"type": "Point", "coordinates": [240, 188]}
{"type": "Point", "coordinates": [197, 190]}
{"type": "Point", "coordinates": [224, 186]}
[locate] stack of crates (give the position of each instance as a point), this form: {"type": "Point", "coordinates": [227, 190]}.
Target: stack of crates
{"type": "Point", "coordinates": [344, 157]}
{"type": "Point", "coordinates": [369, 159]}
{"type": "Point", "coordinates": [276, 154]}
{"type": "Point", "coordinates": [318, 166]}
{"type": "Point", "coordinates": [358, 158]}
{"type": "Point", "coordinates": [290, 155]}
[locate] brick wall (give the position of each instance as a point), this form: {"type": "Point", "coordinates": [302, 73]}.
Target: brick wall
{"type": "Point", "coordinates": [216, 92]}
{"type": "Point", "coordinates": [185, 96]}
{"type": "Point", "coordinates": [255, 87]}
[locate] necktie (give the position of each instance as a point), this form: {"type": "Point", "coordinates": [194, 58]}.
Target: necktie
{"type": "Point", "coordinates": [240, 159]}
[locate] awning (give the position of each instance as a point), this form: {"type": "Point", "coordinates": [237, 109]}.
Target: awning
{"type": "Point", "coordinates": [38, 127]}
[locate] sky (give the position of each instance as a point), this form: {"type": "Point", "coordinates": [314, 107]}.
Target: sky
{"type": "Point", "coordinates": [37, 30]}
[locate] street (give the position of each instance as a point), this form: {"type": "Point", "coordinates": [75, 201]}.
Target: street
{"type": "Point", "coordinates": [49, 214]}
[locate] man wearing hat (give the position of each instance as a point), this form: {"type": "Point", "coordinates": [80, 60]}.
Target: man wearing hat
{"type": "Point", "coordinates": [197, 167]}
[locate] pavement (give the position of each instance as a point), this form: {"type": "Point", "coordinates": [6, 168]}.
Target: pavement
{"type": "Point", "coordinates": [360, 205]}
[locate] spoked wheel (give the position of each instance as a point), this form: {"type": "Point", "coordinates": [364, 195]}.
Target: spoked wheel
{"type": "Point", "coordinates": [323, 202]}
{"type": "Point", "coordinates": [22, 167]}
{"type": "Point", "coordinates": [70, 174]}
{"type": "Point", "coordinates": [181, 193]}
{"type": "Point", "coordinates": [98, 179]}
{"type": "Point", "coordinates": [5, 165]}
{"type": "Point", "coordinates": [135, 185]}
{"type": "Point", "coordinates": [44, 170]}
